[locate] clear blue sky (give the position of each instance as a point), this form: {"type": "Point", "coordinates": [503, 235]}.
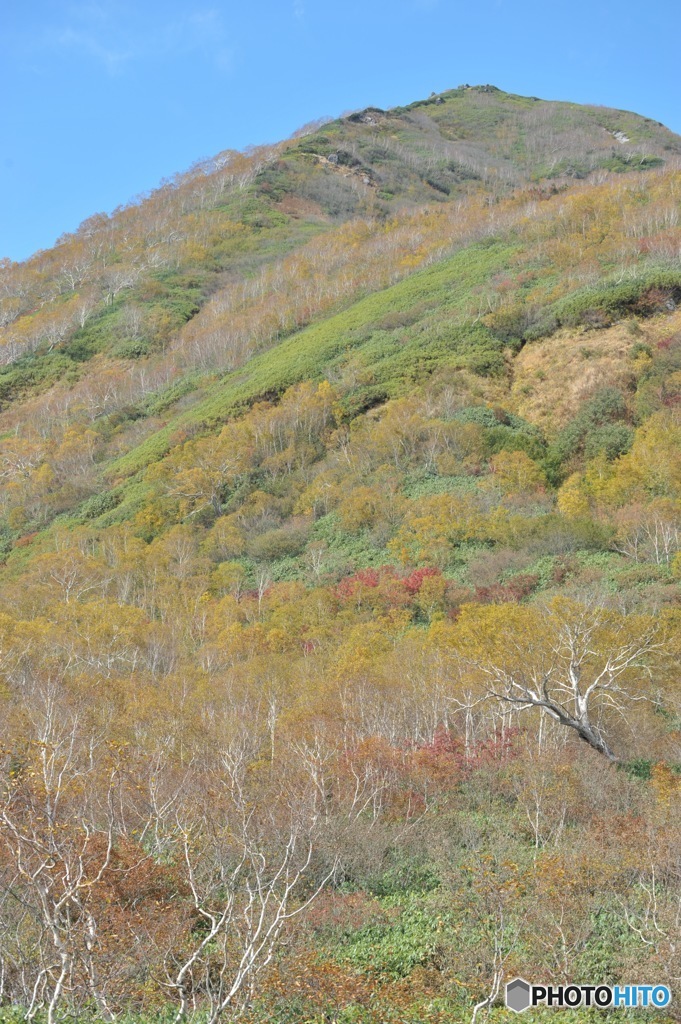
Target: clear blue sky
{"type": "Point", "coordinates": [102, 99]}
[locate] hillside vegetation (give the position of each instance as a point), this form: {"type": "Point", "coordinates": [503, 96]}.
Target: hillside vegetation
{"type": "Point", "coordinates": [340, 618]}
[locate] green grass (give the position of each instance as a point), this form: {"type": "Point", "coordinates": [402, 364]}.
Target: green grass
{"type": "Point", "coordinates": [325, 347]}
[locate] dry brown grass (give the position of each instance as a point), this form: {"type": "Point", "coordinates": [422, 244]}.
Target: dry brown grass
{"type": "Point", "coordinates": [552, 377]}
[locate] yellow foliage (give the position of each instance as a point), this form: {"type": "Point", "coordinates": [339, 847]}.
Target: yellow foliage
{"type": "Point", "coordinates": [572, 502]}
{"type": "Point", "coordinates": [516, 472]}
{"type": "Point", "coordinates": [359, 509]}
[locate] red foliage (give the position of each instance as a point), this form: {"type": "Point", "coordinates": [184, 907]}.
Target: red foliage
{"type": "Point", "coordinates": [391, 589]}
{"type": "Point", "coordinates": [378, 589]}
{"type": "Point", "coordinates": [414, 582]}
{"type": "Point", "coordinates": [348, 587]}
{"type": "Point", "coordinates": [443, 761]}
{"type": "Point", "coordinates": [499, 747]}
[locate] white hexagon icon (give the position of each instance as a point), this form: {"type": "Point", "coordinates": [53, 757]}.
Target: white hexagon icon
{"type": "Point", "coordinates": [518, 995]}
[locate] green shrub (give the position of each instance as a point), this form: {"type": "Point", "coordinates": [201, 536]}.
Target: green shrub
{"type": "Point", "coordinates": [612, 441]}
{"type": "Point", "coordinates": [601, 306]}
{"type": "Point", "coordinates": [276, 544]}
{"type": "Point", "coordinates": [131, 348]}
{"type": "Point", "coordinates": [97, 505]}
{"type": "Point", "coordinates": [596, 429]}
{"type": "Point", "coordinates": [394, 948]}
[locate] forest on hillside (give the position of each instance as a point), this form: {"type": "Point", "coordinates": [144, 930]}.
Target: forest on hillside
{"type": "Point", "coordinates": [340, 604]}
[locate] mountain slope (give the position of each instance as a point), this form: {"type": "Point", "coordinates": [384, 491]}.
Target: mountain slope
{"type": "Point", "coordinates": [341, 577]}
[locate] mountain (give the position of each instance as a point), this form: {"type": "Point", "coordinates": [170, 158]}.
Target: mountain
{"type": "Point", "coordinates": [340, 527]}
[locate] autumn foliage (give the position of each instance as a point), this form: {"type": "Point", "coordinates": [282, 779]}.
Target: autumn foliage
{"type": "Point", "coordinates": [338, 656]}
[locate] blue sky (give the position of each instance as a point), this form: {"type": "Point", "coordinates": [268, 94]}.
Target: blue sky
{"type": "Point", "coordinates": [102, 99]}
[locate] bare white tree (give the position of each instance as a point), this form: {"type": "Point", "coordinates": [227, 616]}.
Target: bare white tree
{"type": "Point", "coordinates": [248, 866]}
{"type": "Point", "coordinates": [573, 659]}
{"type": "Point", "coordinates": [57, 833]}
